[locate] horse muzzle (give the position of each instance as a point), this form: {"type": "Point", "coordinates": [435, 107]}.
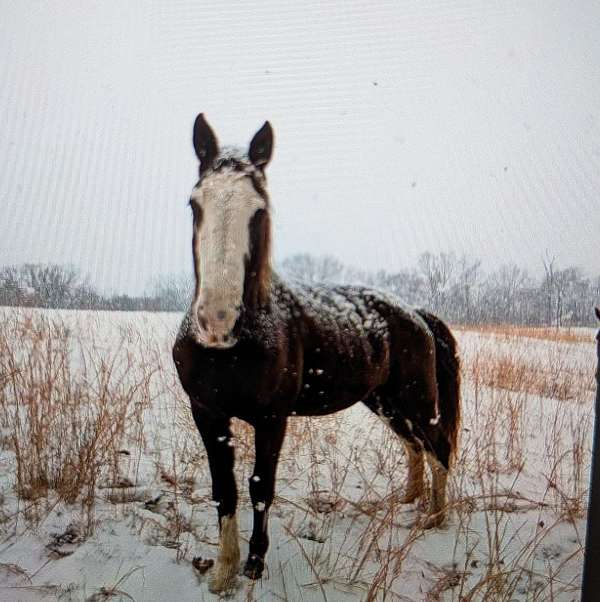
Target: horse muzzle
{"type": "Point", "coordinates": [217, 328]}
{"type": "Point", "coordinates": [215, 341]}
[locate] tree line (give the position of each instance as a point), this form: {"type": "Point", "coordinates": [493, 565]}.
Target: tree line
{"type": "Point", "coordinates": [455, 287]}
{"type": "Point", "coordinates": [458, 289]}
{"type": "Point", "coordinates": [55, 286]}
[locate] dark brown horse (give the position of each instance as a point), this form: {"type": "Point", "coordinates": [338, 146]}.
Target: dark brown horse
{"type": "Point", "coordinates": [256, 348]}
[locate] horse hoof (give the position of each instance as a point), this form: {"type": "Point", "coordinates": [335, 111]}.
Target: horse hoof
{"type": "Point", "coordinates": [222, 579]}
{"type": "Point", "coordinates": [254, 566]}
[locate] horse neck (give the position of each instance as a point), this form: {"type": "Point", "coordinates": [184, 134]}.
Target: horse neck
{"type": "Point", "coordinates": [257, 280]}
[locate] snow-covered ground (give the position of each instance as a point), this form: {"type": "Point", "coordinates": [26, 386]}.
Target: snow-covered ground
{"type": "Point", "coordinates": [337, 530]}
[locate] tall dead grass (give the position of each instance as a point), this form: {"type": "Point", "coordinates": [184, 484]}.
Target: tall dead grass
{"type": "Point", "coordinates": [544, 333]}
{"type": "Point", "coordinates": [67, 407]}
{"type": "Point", "coordinates": [72, 403]}
{"type": "Point", "coordinates": [522, 369]}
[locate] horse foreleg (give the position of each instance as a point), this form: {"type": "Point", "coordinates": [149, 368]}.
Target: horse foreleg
{"type": "Point", "coordinates": [217, 439]}
{"type": "Point", "coordinates": [268, 441]}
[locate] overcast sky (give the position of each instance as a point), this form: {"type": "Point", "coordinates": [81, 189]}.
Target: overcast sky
{"type": "Point", "coordinates": [400, 127]}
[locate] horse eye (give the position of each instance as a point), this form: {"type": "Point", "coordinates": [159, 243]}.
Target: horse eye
{"type": "Point", "coordinates": [196, 211]}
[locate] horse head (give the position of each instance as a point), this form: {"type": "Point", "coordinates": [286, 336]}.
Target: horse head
{"type": "Point", "coordinates": [231, 234]}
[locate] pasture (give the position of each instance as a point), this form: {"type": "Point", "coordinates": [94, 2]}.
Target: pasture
{"type": "Point", "coordinates": [105, 489]}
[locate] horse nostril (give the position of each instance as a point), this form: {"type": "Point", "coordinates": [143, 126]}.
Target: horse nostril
{"type": "Point", "coordinates": [220, 315]}
{"type": "Point", "coordinates": [225, 338]}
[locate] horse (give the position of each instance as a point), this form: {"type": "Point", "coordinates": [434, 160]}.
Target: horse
{"type": "Point", "coordinates": [254, 347]}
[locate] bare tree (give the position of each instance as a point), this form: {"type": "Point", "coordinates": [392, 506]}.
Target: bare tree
{"type": "Point", "coordinates": [570, 287]}
{"type": "Point", "coordinates": [312, 269]}
{"type": "Point", "coordinates": [437, 271]}
{"type": "Point", "coordinates": [454, 287]}
{"type": "Point", "coordinates": [45, 285]}
{"type": "Point", "coordinates": [407, 284]}
{"type": "Point", "coordinates": [173, 292]}
{"type": "Point", "coordinates": [548, 285]}
{"type": "Point", "coordinates": [506, 294]}
{"type": "Point", "coordinates": [12, 291]}
{"type": "Point", "coordinates": [465, 298]}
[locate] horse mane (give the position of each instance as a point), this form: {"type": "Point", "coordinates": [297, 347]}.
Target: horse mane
{"type": "Point", "coordinates": [257, 283]}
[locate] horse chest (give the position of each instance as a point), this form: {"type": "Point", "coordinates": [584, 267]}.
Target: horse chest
{"type": "Point", "coordinates": [235, 382]}
{"type": "Point", "coordinates": [226, 376]}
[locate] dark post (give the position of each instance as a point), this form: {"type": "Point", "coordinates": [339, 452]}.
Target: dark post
{"type": "Point", "coordinates": [591, 564]}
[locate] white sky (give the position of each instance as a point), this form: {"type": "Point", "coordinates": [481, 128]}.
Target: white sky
{"type": "Point", "coordinates": [400, 127]}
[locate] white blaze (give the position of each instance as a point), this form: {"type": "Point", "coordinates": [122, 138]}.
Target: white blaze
{"type": "Point", "coordinates": [228, 202]}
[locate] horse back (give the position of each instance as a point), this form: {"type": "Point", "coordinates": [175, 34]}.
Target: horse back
{"type": "Point", "coordinates": [354, 339]}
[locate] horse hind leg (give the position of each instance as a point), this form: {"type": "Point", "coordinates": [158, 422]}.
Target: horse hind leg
{"type": "Point", "coordinates": [428, 429]}
{"type": "Point", "coordinates": [438, 507]}
{"type": "Point", "coordinates": [414, 488]}
{"type": "Point", "coordinates": [432, 443]}
{"type": "Point", "coordinates": [422, 437]}
{"type": "Point", "coordinates": [443, 432]}
{"type": "Point", "coordinates": [437, 450]}
{"type": "Point", "coordinates": [416, 473]}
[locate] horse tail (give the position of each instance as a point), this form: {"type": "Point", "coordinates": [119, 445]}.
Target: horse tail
{"type": "Point", "coordinates": [448, 378]}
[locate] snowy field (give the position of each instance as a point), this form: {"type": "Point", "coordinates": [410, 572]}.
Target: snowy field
{"type": "Point", "coordinates": [105, 492]}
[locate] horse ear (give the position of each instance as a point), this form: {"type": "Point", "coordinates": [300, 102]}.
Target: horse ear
{"type": "Point", "coordinates": [261, 146]}
{"type": "Point", "coordinates": [205, 142]}
{"type": "Point", "coordinates": [597, 310]}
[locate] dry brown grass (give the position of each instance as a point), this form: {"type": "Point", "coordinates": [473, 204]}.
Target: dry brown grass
{"type": "Point", "coordinates": [66, 408]}
{"type": "Point", "coordinates": [509, 438]}
{"type": "Point", "coordinates": [70, 405]}
{"type": "Point", "coordinates": [544, 333]}
{"type": "Point", "coordinates": [517, 371]}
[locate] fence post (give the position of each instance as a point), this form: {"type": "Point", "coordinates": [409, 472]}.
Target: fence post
{"type": "Point", "coordinates": [590, 591]}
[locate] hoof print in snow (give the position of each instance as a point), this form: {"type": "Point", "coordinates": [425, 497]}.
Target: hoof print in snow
{"type": "Point", "coordinates": [118, 483]}
{"type": "Point", "coordinates": [172, 544]}
{"type": "Point", "coordinates": [124, 482]}
{"type": "Point", "coordinates": [550, 551]}
{"type": "Point", "coordinates": [124, 495]}
{"type": "Point", "coordinates": [64, 544]}
{"type": "Point", "coordinates": [324, 504]}
{"type": "Point", "coordinates": [112, 594]}
{"type": "Point", "coordinates": [310, 532]}
{"type": "Point", "coordinates": [153, 504]}
{"type": "Point", "coordinates": [202, 565]}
